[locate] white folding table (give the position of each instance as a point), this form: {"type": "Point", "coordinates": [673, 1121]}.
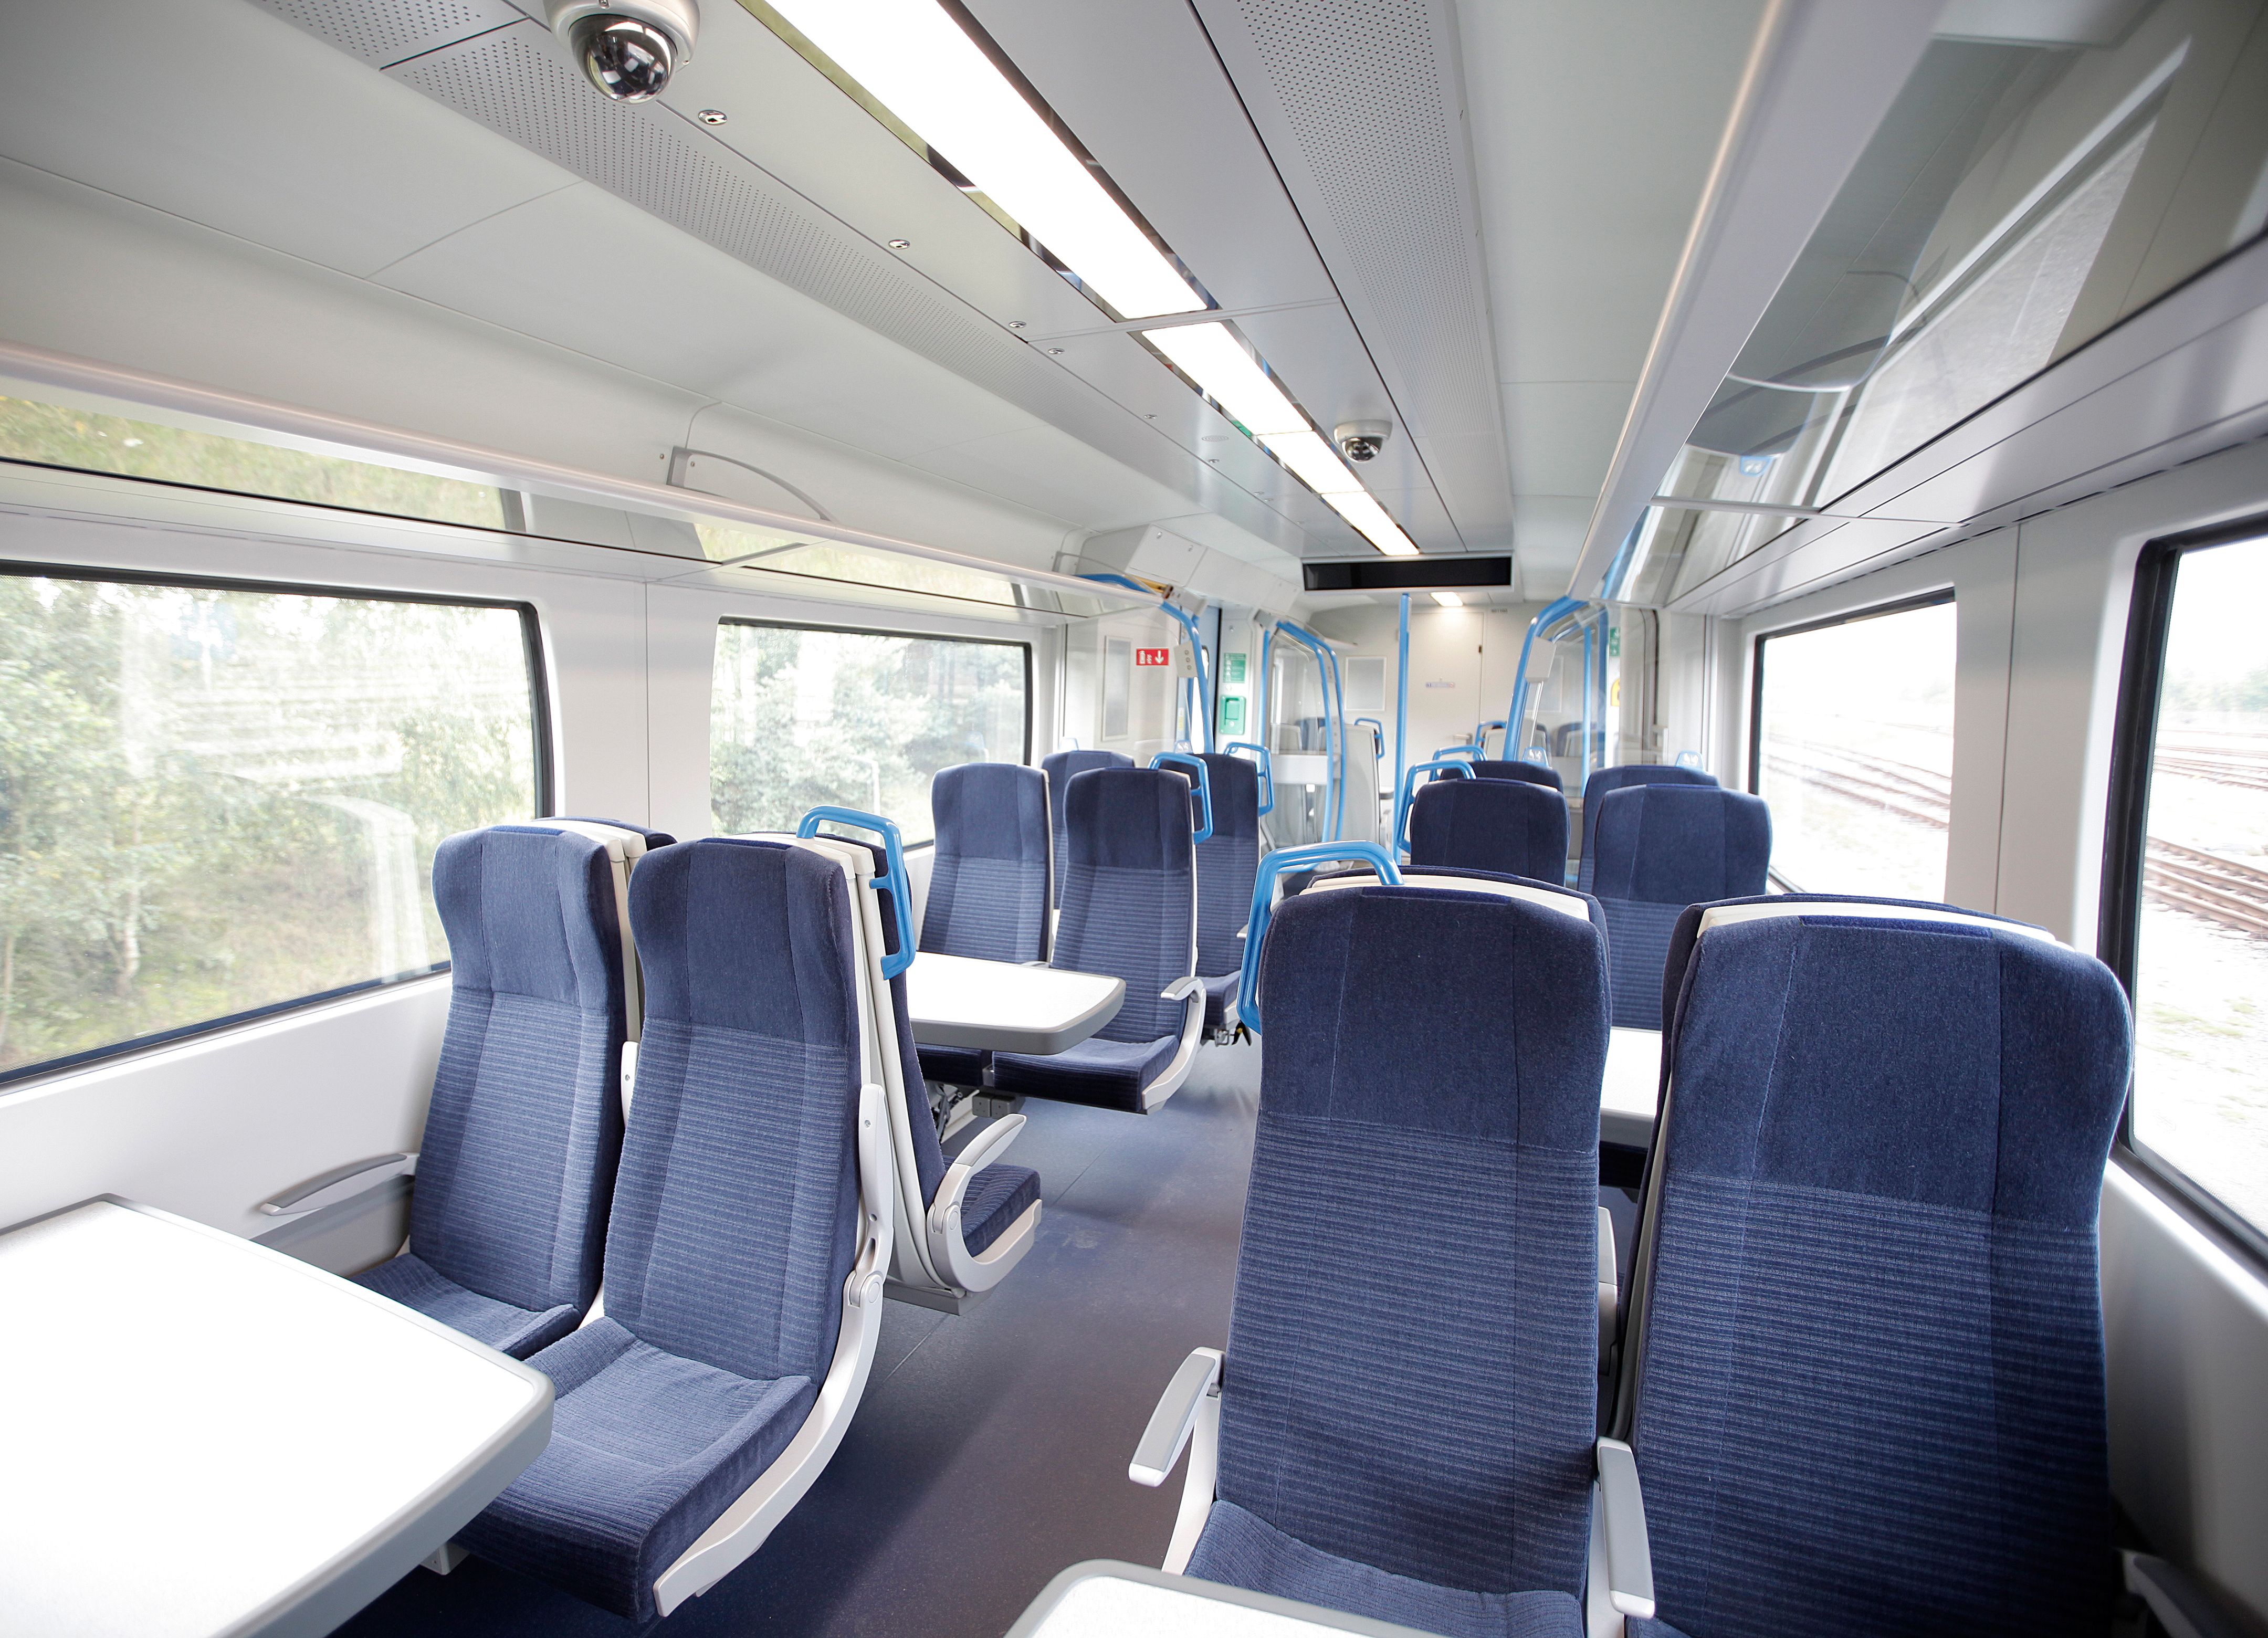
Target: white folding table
{"type": "Point", "coordinates": [998, 1005]}
{"type": "Point", "coordinates": [1102, 1599]}
{"type": "Point", "coordinates": [1632, 1089]}
{"type": "Point", "coordinates": [203, 1436]}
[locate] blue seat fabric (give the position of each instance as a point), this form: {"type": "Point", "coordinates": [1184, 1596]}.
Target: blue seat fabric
{"type": "Point", "coordinates": [1870, 1397]}
{"type": "Point", "coordinates": [734, 1225]}
{"type": "Point", "coordinates": [1226, 864]}
{"type": "Point", "coordinates": [1619, 778]}
{"type": "Point", "coordinates": [1061, 767]}
{"type": "Point", "coordinates": [988, 889]}
{"type": "Point", "coordinates": [1655, 849]}
{"type": "Point", "coordinates": [1129, 896]}
{"type": "Point", "coordinates": [1531, 773]}
{"type": "Point", "coordinates": [1437, 875]}
{"type": "Point", "coordinates": [1505, 826]}
{"type": "Point", "coordinates": [1408, 1399]}
{"type": "Point", "coordinates": [508, 1220]}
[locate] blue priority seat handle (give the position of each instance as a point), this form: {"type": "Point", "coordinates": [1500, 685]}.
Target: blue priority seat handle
{"type": "Point", "coordinates": [1202, 780]}
{"type": "Point", "coordinates": [1263, 892]}
{"type": "Point", "coordinates": [894, 851]}
{"type": "Point", "coordinates": [1405, 799]}
{"type": "Point", "coordinates": [1267, 774]}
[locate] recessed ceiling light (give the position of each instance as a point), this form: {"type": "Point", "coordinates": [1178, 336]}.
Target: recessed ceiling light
{"type": "Point", "coordinates": [1370, 521]}
{"type": "Point", "coordinates": [1015, 324]}
{"type": "Point", "coordinates": [921, 65]}
{"type": "Point", "coordinates": [1448, 600]}
{"type": "Point", "coordinates": [1055, 352]}
{"type": "Point", "coordinates": [711, 116]}
{"type": "Point", "coordinates": [901, 244]}
{"type": "Point", "coordinates": [1213, 358]}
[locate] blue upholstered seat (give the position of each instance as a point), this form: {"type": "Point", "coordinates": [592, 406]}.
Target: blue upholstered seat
{"type": "Point", "coordinates": [1655, 849]}
{"type": "Point", "coordinates": [1062, 767]}
{"type": "Point", "coordinates": [1869, 1335]}
{"type": "Point", "coordinates": [735, 1223]}
{"type": "Point", "coordinates": [988, 890]}
{"type": "Point", "coordinates": [1226, 864]}
{"type": "Point", "coordinates": [1513, 827]}
{"type": "Point", "coordinates": [1530, 772]}
{"type": "Point", "coordinates": [1619, 778]}
{"type": "Point", "coordinates": [516, 1164]}
{"type": "Point", "coordinates": [1409, 1394]}
{"type": "Point", "coordinates": [1129, 910]}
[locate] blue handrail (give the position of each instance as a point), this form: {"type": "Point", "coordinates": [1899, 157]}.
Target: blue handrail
{"type": "Point", "coordinates": [1553, 612]}
{"type": "Point", "coordinates": [1406, 797]}
{"type": "Point", "coordinates": [893, 853]}
{"type": "Point", "coordinates": [1691, 759]}
{"type": "Point", "coordinates": [1267, 773]}
{"type": "Point", "coordinates": [1538, 754]}
{"type": "Point", "coordinates": [1481, 733]}
{"type": "Point", "coordinates": [1377, 732]}
{"type": "Point", "coordinates": [1202, 784]}
{"type": "Point", "coordinates": [1327, 668]}
{"type": "Point", "coordinates": [1402, 696]}
{"type": "Point", "coordinates": [1188, 624]}
{"type": "Point", "coordinates": [1263, 892]}
{"type": "Point", "coordinates": [1470, 752]}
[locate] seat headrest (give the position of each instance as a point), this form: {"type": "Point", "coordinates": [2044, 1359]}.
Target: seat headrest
{"type": "Point", "coordinates": [1680, 845]}
{"type": "Point", "coordinates": [990, 810]}
{"type": "Point", "coordinates": [1528, 773]}
{"type": "Point", "coordinates": [1564, 900]}
{"type": "Point", "coordinates": [1812, 1048]}
{"type": "Point", "coordinates": [530, 911]}
{"type": "Point", "coordinates": [1629, 774]}
{"type": "Point", "coordinates": [1450, 1011]}
{"type": "Point", "coordinates": [1504, 826]}
{"type": "Point", "coordinates": [1235, 795]}
{"type": "Point", "coordinates": [1129, 819]}
{"type": "Point", "coordinates": [748, 935]}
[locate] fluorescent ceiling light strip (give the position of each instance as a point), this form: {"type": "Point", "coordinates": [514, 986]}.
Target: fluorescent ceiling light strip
{"type": "Point", "coordinates": [920, 64]}
{"type": "Point", "coordinates": [1212, 358]}
{"type": "Point", "coordinates": [1313, 462]}
{"type": "Point", "coordinates": [1448, 600]}
{"type": "Point", "coordinates": [1372, 523]}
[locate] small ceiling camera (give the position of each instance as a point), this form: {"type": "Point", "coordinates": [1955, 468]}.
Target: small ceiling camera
{"type": "Point", "coordinates": [627, 48]}
{"type": "Point", "coordinates": [1360, 440]}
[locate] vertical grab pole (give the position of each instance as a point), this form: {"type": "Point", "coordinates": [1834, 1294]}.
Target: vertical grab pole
{"type": "Point", "coordinates": [1402, 716]}
{"type": "Point", "coordinates": [1336, 704]}
{"type": "Point", "coordinates": [1585, 764]}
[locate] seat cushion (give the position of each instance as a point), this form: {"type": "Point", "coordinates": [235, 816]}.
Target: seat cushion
{"type": "Point", "coordinates": [1109, 1075]}
{"type": "Point", "coordinates": [646, 1450]}
{"type": "Point", "coordinates": [957, 1065]}
{"type": "Point", "coordinates": [1240, 1549]}
{"type": "Point", "coordinates": [414, 1283]}
{"type": "Point", "coordinates": [1634, 1626]}
{"type": "Point", "coordinates": [997, 1196]}
{"type": "Point", "coordinates": [1220, 992]}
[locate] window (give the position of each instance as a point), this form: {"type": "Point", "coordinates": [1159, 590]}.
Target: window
{"type": "Point", "coordinates": [218, 800]}
{"type": "Point", "coordinates": [2188, 829]}
{"type": "Point", "coordinates": [54, 436]}
{"type": "Point", "coordinates": [1852, 746]}
{"type": "Point", "coordinates": [803, 715]}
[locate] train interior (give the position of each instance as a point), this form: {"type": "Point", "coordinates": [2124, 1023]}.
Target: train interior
{"type": "Point", "coordinates": [1235, 817]}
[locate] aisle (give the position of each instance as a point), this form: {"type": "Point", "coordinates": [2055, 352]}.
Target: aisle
{"type": "Point", "coordinates": [991, 1450]}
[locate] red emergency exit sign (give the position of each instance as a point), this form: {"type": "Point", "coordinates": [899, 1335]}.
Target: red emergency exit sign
{"type": "Point", "coordinates": [1153, 656]}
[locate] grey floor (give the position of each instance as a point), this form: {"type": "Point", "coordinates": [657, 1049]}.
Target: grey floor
{"type": "Point", "coordinates": [991, 1449]}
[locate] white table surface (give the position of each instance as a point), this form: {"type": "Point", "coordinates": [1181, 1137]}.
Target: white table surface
{"type": "Point", "coordinates": [202, 1437]}
{"type": "Point", "coordinates": [1105, 1600]}
{"type": "Point", "coordinates": [998, 1005]}
{"type": "Point", "coordinates": [1633, 1085]}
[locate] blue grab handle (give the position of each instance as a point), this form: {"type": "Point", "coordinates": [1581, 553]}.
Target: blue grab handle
{"type": "Point", "coordinates": [1263, 891]}
{"type": "Point", "coordinates": [1203, 782]}
{"type": "Point", "coordinates": [1537, 755]}
{"type": "Point", "coordinates": [1267, 774]}
{"type": "Point", "coordinates": [1406, 798]}
{"type": "Point", "coordinates": [893, 853]}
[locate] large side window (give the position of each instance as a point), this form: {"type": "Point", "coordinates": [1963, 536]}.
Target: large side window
{"type": "Point", "coordinates": [2185, 905]}
{"type": "Point", "coordinates": [802, 715]}
{"type": "Point", "coordinates": [1851, 744]}
{"type": "Point", "coordinates": [219, 800]}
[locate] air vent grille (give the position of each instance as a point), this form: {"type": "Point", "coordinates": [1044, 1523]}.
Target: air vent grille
{"type": "Point", "coordinates": [396, 31]}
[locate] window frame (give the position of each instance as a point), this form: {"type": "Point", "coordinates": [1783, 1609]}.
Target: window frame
{"type": "Point", "coordinates": [2125, 837]}
{"type": "Point", "coordinates": [531, 630]}
{"type": "Point", "coordinates": [918, 636]}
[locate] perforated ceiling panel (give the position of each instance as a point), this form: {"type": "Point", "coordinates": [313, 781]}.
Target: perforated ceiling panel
{"type": "Point", "coordinates": [390, 34]}
{"type": "Point", "coordinates": [1362, 93]}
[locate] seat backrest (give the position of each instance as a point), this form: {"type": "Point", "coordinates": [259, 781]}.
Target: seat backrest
{"type": "Point", "coordinates": [1656, 849]}
{"type": "Point", "coordinates": [1061, 767]}
{"type": "Point", "coordinates": [1504, 825]}
{"type": "Point", "coordinates": [1429, 1109]}
{"type": "Point", "coordinates": [988, 886]}
{"type": "Point", "coordinates": [1532, 772]}
{"type": "Point", "coordinates": [1868, 1330]}
{"type": "Point", "coordinates": [1616, 779]}
{"type": "Point", "coordinates": [736, 1214]}
{"type": "Point", "coordinates": [1227, 863]}
{"type": "Point", "coordinates": [1129, 891]}
{"type": "Point", "coordinates": [516, 1164]}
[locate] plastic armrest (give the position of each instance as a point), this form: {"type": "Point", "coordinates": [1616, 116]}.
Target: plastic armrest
{"type": "Point", "coordinates": [1609, 1288]}
{"type": "Point", "coordinates": [341, 1182]}
{"type": "Point", "coordinates": [630, 1075]}
{"type": "Point", "coordinates": [1629, 1559]}
{"type": "Point", "coordinates": [989, 1144]}
{"type": "Point", "coordinates": [2183, 1608]}
{"type": "Point", "coordinates": [1181, 989]}
{"type": "Point", "coordinates": [1168, 1433]}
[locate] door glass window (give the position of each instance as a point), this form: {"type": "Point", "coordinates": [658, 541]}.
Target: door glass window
{"type": "Point", "coordinates": [1853, 747]}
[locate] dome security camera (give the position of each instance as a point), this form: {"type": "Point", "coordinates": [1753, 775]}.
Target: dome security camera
{"type": "Point", "coordinates": [627, 48]}
{"type": "Point", "coordinates": [1360, 440]}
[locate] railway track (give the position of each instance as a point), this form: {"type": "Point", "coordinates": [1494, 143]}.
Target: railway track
{"type": "Point", "coordinates": [2220, 890]}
